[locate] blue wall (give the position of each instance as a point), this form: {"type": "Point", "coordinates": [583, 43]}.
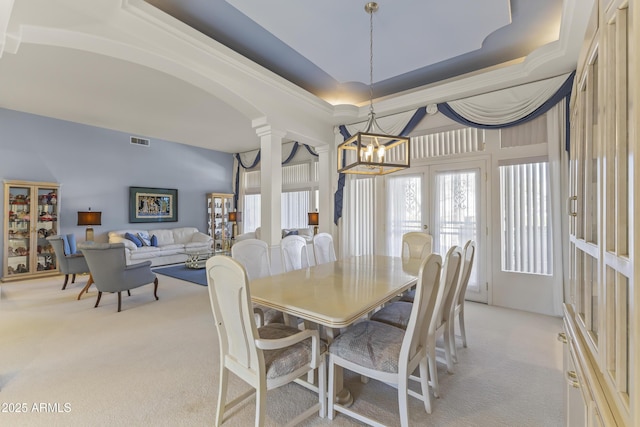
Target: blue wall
{"type": "Point", "coordinates": [96, 166]}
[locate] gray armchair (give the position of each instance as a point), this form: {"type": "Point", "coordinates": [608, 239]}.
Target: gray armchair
{"type": "Point", "coordinates": [111, 274]}
{"type": "Point", "coordinates": [68, 263]}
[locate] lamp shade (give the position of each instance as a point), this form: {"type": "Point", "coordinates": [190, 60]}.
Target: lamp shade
{"type": "Point", "coordinates": [233, 217]}
{"type": "Point", "coordinates": [313, 218]}
{"type": "Point", "coordinates": [89, 218]}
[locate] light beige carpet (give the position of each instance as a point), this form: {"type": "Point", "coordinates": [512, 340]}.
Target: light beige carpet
{"type": "Point", "coordinates": [156, 364]}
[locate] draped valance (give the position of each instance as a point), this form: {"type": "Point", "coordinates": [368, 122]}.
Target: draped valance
{"type": "Point", "coordinates": [251, 159]}
{"type": "Point", "coordinates": [512, 106]}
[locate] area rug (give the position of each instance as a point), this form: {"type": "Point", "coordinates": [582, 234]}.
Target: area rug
{"type": "Point", "coordinates": [193, 275]}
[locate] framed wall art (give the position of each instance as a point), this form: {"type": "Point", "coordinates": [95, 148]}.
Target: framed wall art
{"type": "Point", "coordinates": [153, 204]}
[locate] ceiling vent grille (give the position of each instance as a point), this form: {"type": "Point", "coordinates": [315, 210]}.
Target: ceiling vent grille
{"type": "Point", "coordinates": [140, 141]}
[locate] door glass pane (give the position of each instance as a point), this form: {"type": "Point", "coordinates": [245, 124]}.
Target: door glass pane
{"type": "Point", "coordinates": [404, 209]}
{"type": "Point", "coordinates": [456, 213]}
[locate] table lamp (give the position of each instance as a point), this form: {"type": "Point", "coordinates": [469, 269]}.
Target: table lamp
{"type": "Point", "coordinates": [313, 220]}
{"type": "Point", "coordinates": [89, 219]}
{"type": "Point", "coordinates": [234, 217]}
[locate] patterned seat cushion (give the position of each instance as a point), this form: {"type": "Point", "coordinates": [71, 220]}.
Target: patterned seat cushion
{"type": "Point", "coordinates": [374, 345]}
{"type": "Point", "coordinates": [395, 314]}
{"type": "Point", "coordinates": [285, 360]}
{"type": "Point", "coordinates": [271, 315]}
{"type": "Point", "coordinates": [408, 296]}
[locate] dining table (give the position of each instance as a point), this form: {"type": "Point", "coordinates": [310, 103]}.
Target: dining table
{"type": "Point", "coordinates": [336, 294]}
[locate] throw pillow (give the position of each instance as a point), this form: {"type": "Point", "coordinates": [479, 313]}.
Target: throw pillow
{"type": "Point", "coordinates": [71, 238]}
{"type": "Point", "coordinates": [144, 238]}
{"type": "Point", "coordinates": [289, 233]}
{"type": "Point", "coordinates": [154, 240]}
{"type": "Point", "coordinates": [69, 243]}
{"type": "Point", "coordinates": [134, 239]}
{"type": "Point", "coordinates": [65, 243]}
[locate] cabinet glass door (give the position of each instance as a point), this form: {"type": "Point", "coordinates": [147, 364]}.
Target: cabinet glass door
{"type": "Point", "coordinates": [19, 231]}
{"type": "Point", "coordinates": [46, 220]}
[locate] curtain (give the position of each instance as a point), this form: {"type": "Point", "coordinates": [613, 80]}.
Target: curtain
{"type": "Point", "coordinates": [358, 235]}
{"type": "Point", "coordinates": [509, 107]}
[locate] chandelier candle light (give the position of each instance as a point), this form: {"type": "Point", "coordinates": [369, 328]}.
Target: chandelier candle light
{"type": "Point", "coordinates": [373, 151]}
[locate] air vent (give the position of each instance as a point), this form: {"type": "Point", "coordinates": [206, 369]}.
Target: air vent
{"type": "Point", "coordinates": [140, 141]}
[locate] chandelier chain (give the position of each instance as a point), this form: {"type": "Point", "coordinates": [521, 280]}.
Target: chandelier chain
{"type": "Point", "coordinates": [371, 61]}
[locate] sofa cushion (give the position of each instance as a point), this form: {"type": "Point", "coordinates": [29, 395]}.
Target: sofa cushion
{"type": "Point", "coordinates": [183, 234]}
{"type": "Point", "coordinates": [164, 236]}
{"type": "Point", "coordinates": [135, 239]}
{"type": "Point", "coordinates": [193, 246]}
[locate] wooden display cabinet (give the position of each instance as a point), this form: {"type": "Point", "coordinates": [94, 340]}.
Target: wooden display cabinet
{"type": "Point", "coordinates": [30, 216]}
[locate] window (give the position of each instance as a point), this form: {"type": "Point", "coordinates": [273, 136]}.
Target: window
{"type": "Point", "coordinates": [251, 214]}
{"type": "Point", "coordinates": [527, 246]}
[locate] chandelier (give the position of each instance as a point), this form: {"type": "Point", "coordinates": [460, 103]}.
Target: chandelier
{"type": "Point", "coordinates": [373, 151]}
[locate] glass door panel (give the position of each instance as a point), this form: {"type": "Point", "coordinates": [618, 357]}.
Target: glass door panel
{"type": "Point", "coordinates": [404, 209]}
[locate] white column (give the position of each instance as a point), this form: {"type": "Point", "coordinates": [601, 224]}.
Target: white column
{"type": "Point", "coordinates": [270, 183]}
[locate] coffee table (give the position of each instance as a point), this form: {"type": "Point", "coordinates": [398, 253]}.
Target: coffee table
{"type": "Point", "coordinates": [197, 259]}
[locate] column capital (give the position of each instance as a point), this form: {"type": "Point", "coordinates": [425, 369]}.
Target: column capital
{"type": "Point", "coordinates": [267, 130]}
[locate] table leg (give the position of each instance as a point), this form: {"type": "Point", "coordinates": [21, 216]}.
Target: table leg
{"type": "Point", "coordinates": [87, 286]}
{"type": "Point", "coordinates": [344, 396]}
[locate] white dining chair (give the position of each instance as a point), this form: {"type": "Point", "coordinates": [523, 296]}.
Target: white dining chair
{"type": "Point", "coordinates": [468, 257]}
{"type": "Point", "coordinates": [294, 253]}
{"type": "Point", "coordinates": [265, 358]}
{"type": "Point", "coordinates": [253, 254]}
{"type": "Point", "coordinates": [416, 244]}
{"type": "Point", "coordinates": [397, 315]}
{"type": "Point", "coordinates": [323, 249]}
{"type": "Point", "coordinates": [389, 354]}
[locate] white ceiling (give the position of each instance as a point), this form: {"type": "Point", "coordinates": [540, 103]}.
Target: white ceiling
{"type": "Point", "coordinates": [213, 73]}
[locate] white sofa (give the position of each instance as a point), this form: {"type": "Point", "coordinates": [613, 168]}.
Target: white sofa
{"type": "Point", "coordinates": [307, 233]}
{"type": "Point", "coordinates": [171, 243]}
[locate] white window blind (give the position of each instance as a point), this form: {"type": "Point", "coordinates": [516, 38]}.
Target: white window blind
{"type": "Point", "coordinates": [437, 144]}
{"type": "Point", "coordinates": [526, 244]}
{"type": "Point", "coordinates": [251, 214]}
{"type": "Point", "coordinates": [295, 205]}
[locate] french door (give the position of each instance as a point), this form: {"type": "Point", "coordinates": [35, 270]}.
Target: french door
{"type": "Point", "coordinates": [446, 201]}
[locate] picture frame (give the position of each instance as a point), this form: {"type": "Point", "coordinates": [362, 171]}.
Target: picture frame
{"type": "Point", "coordinates": [148, 204]}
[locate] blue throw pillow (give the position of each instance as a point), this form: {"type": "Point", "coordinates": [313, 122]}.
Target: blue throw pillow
{"type": "Point", "coordinates": [154, 240]}
{"type": "Point", "coordinates": [134, 239]}
{"type": "Point", "coordinates": [71, 238]}
{"type": "Point", "coordinates": [65, 243]}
